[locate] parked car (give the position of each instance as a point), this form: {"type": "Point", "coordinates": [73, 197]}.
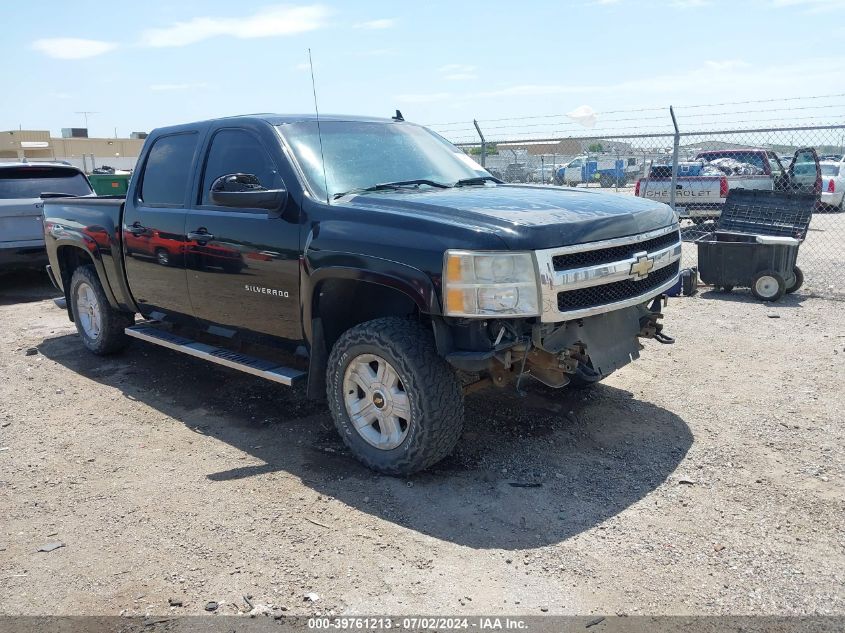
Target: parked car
{"type": "Point", "coordinates": [516, 172]}
{"type": "Point", "coordinates": [403, 273]}
{"type": "Point", "coordinates": [833, 185]}
{"type": "Point", "coordinates": [21, 229]}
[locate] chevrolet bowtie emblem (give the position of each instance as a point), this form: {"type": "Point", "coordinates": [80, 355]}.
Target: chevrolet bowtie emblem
{"type": "Point", "coordinates": [642, 267]}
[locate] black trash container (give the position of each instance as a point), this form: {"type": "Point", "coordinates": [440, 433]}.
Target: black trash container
{"type": "Point", "coordinates": [756, 242]}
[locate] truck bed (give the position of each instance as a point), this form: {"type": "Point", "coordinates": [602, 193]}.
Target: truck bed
{"type": "Point", "coordinates": [96, 223]}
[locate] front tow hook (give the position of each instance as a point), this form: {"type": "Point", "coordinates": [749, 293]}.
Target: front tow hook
{"type": "Point", "coordinates": [660, 337]}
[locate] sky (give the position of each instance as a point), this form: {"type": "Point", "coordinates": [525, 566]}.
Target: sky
{"type": "Point", "coordinates": [139, 65]}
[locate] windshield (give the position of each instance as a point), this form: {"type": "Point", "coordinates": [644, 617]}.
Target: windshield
{"type": "Point", "coordinates": [31, 182]}
{"type": "Point", "coordinates": [830, 170]}
{"type": "Point", "coordinates": [361, 154]}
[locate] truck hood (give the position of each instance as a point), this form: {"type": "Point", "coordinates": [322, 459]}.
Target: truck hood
{"type": "Point", "coordinates": [527, 218]}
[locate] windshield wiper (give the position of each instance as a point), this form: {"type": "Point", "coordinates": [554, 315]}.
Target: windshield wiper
{"type": "Point", "coordinates": [476, 180]}
{"type": "Point", "coordinates": [393, 185]}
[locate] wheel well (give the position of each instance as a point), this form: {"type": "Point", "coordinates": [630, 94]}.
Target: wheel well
{"type": "Point", "coordinates": [70, 258]}
{"type": "Point", "coordinates": [344, 303]}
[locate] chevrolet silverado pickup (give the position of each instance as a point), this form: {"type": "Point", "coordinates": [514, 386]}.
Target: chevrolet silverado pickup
{"type": "Point", "coordinates": [369, 259]}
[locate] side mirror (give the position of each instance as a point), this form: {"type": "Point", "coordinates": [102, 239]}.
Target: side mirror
{"type": "Point", "coordinates": [245, 191]}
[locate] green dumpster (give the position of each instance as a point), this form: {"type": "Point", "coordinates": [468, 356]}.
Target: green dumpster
{"type": "Point", "coordinates": [109, 184]}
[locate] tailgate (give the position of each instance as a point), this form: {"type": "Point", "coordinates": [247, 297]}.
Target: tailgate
{"type": "Point", "coordinates": [20, 220]}
{"type": "Point", "coordinates": [700, 190]}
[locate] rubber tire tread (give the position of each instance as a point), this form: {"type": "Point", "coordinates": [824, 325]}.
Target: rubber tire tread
{"type": "Point", "coordinates": [437, 406]}
{"type": "Point", "coordinates": [112, 336]}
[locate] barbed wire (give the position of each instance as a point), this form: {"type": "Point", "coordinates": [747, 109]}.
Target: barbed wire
{"type": "Point", "coordinates": [654, 109]}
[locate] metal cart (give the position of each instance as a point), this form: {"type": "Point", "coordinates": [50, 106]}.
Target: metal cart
{"type": "Point", "coordinates": [756, 242]}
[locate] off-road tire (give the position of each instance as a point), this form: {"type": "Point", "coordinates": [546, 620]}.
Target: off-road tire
{"type": "Point", "coordinates": [781, 286]}
{"type": "Point", "coordinates": [112, 337]}
{"type": "Point", "coordinates": [433, 389]}
{"type": "Point", "coordinates": [799, 280]}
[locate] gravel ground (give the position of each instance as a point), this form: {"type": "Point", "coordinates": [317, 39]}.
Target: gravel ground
{"type": "Point", "coordinates": [706, 478]}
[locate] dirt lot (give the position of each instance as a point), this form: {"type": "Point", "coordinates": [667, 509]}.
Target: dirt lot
{"type": "Point", "coordinates": [705, 478]}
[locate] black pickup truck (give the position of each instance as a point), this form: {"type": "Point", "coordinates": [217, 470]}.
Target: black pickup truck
{"type": "Point", "coordinates": [370, 259]}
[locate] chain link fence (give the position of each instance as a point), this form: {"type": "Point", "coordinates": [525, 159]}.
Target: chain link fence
{"type": "Point", "coordinates": [691, 169]}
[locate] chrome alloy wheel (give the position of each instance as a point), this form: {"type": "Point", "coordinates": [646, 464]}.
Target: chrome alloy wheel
{"type": "Point", "coordinates": [90, 317]}
{"type": "Point", "coordinates": [376, 401]}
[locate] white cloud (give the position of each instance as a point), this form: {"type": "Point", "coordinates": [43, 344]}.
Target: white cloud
{"type": "Point", "coordinates": [382, 23]}
{"type": "Point", "coordinates": [456, 68]}
{"type": "Point", "coordinates": [690, 4]}
{"type": "Point", "coordinates": [273, 21]}
{"type": "Point", "coordinates": [72, 47]}
{"type": "Point", "coordinates": [812, 6]}
{"type": "Point", "coordinates": [458, 72]}
{"type": "Point", "coordinates": [174, 87]}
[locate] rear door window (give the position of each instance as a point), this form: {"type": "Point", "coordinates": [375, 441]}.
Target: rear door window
{"type": "Point", "coordinates": [168, 170]}
{"type": "Point", "coordinates": [31, 181]}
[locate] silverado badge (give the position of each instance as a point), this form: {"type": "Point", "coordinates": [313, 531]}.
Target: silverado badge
{"type": "Point", "coordinates": [642, 267]}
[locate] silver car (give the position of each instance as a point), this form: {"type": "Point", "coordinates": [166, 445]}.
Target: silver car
{"type": "Point", "coordinates": [833, 185]}
{"type": "Point", "coordinates": [21, 228]}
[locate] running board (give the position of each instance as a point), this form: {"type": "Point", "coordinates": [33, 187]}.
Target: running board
{"type": "Point", "coordinates": [249, 364]}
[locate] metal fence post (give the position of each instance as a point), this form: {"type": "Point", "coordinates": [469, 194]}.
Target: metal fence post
{"type": "Point", "coordinates": [675, 147]}
{"type": "Point", "coordinates": [483, 144]}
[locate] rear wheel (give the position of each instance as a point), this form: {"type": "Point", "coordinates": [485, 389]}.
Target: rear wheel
{"type": "Point", "coordinates": [768, 286]}
{"type": "Point", "coordinates": [799, 280]}
{"type": "Point", "coordinates": [395, 402]}
{"type": "Point", "coordinates": [100, 326]}
{"type": "Point", "coordinates": [162, 257]}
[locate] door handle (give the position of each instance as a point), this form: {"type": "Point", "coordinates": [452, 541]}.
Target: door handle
{"type": "Point", "coordinates": [200, 235]}
{"type": "Point", "coordinates": [136, 229]}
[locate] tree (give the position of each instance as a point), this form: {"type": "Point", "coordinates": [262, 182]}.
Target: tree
{"type": "Point", "coordinates": [491, 150]}
{"type": "Point", "coordinates": [595, 148]}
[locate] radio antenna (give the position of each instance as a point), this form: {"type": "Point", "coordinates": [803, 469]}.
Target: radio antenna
{"type": "Point", "coordinates": [319, 131]}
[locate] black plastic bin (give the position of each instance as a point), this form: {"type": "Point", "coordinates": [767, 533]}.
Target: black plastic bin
{"type": "Point", "coordinates": [756, 242]}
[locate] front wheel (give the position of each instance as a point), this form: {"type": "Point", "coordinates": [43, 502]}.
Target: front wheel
{"type": "Point", "coordinates": [100, 326]}
{"type": "Point", "coordinates": [397, 405]}
{"type": "Point", "coordinates": [768, 286]}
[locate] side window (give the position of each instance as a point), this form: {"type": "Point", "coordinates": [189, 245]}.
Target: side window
{"type": "Point", "coordinates": [238, 152]}
{"type": "Point", "coordinates": [774, 163]}
{"type": "Point", "coordinates": [167, 174]}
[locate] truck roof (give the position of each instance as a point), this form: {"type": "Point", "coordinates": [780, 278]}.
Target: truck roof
{"type": "Point", "coordinates": [276, 119]}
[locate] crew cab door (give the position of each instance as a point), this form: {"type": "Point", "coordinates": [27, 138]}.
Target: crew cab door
{"type": "Point", "coordinates": [243, 263]}
{"type": "Point", "coordinates": [573, 170]}
{"type": "Point", "coordinates": [154, 227]}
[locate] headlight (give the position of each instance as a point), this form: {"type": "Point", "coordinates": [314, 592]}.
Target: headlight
{"type": "Point", "coordinates": [490, 284]}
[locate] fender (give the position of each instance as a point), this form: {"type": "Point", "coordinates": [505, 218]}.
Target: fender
{"type": "Point", "coordinates": [99, 243]}
{"type": "Point", "coordinates": [63, 236]}
{"type": "Point", "coordinates": [319, 266]}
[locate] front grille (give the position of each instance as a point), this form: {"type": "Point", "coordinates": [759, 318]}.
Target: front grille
{"type": "Point", "coordinates": [613, 254]}
{"type": "Point", "coordinates": [616, 291]}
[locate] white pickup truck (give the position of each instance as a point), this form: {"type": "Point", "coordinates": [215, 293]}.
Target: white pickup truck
{"type": "Point", "coordinates": [703, 184]}
{"type": "Point", "coordinates": [700, 190]}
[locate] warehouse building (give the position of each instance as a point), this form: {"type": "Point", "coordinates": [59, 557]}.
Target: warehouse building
{"type": "Point", "coordinates": [74, 147]}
